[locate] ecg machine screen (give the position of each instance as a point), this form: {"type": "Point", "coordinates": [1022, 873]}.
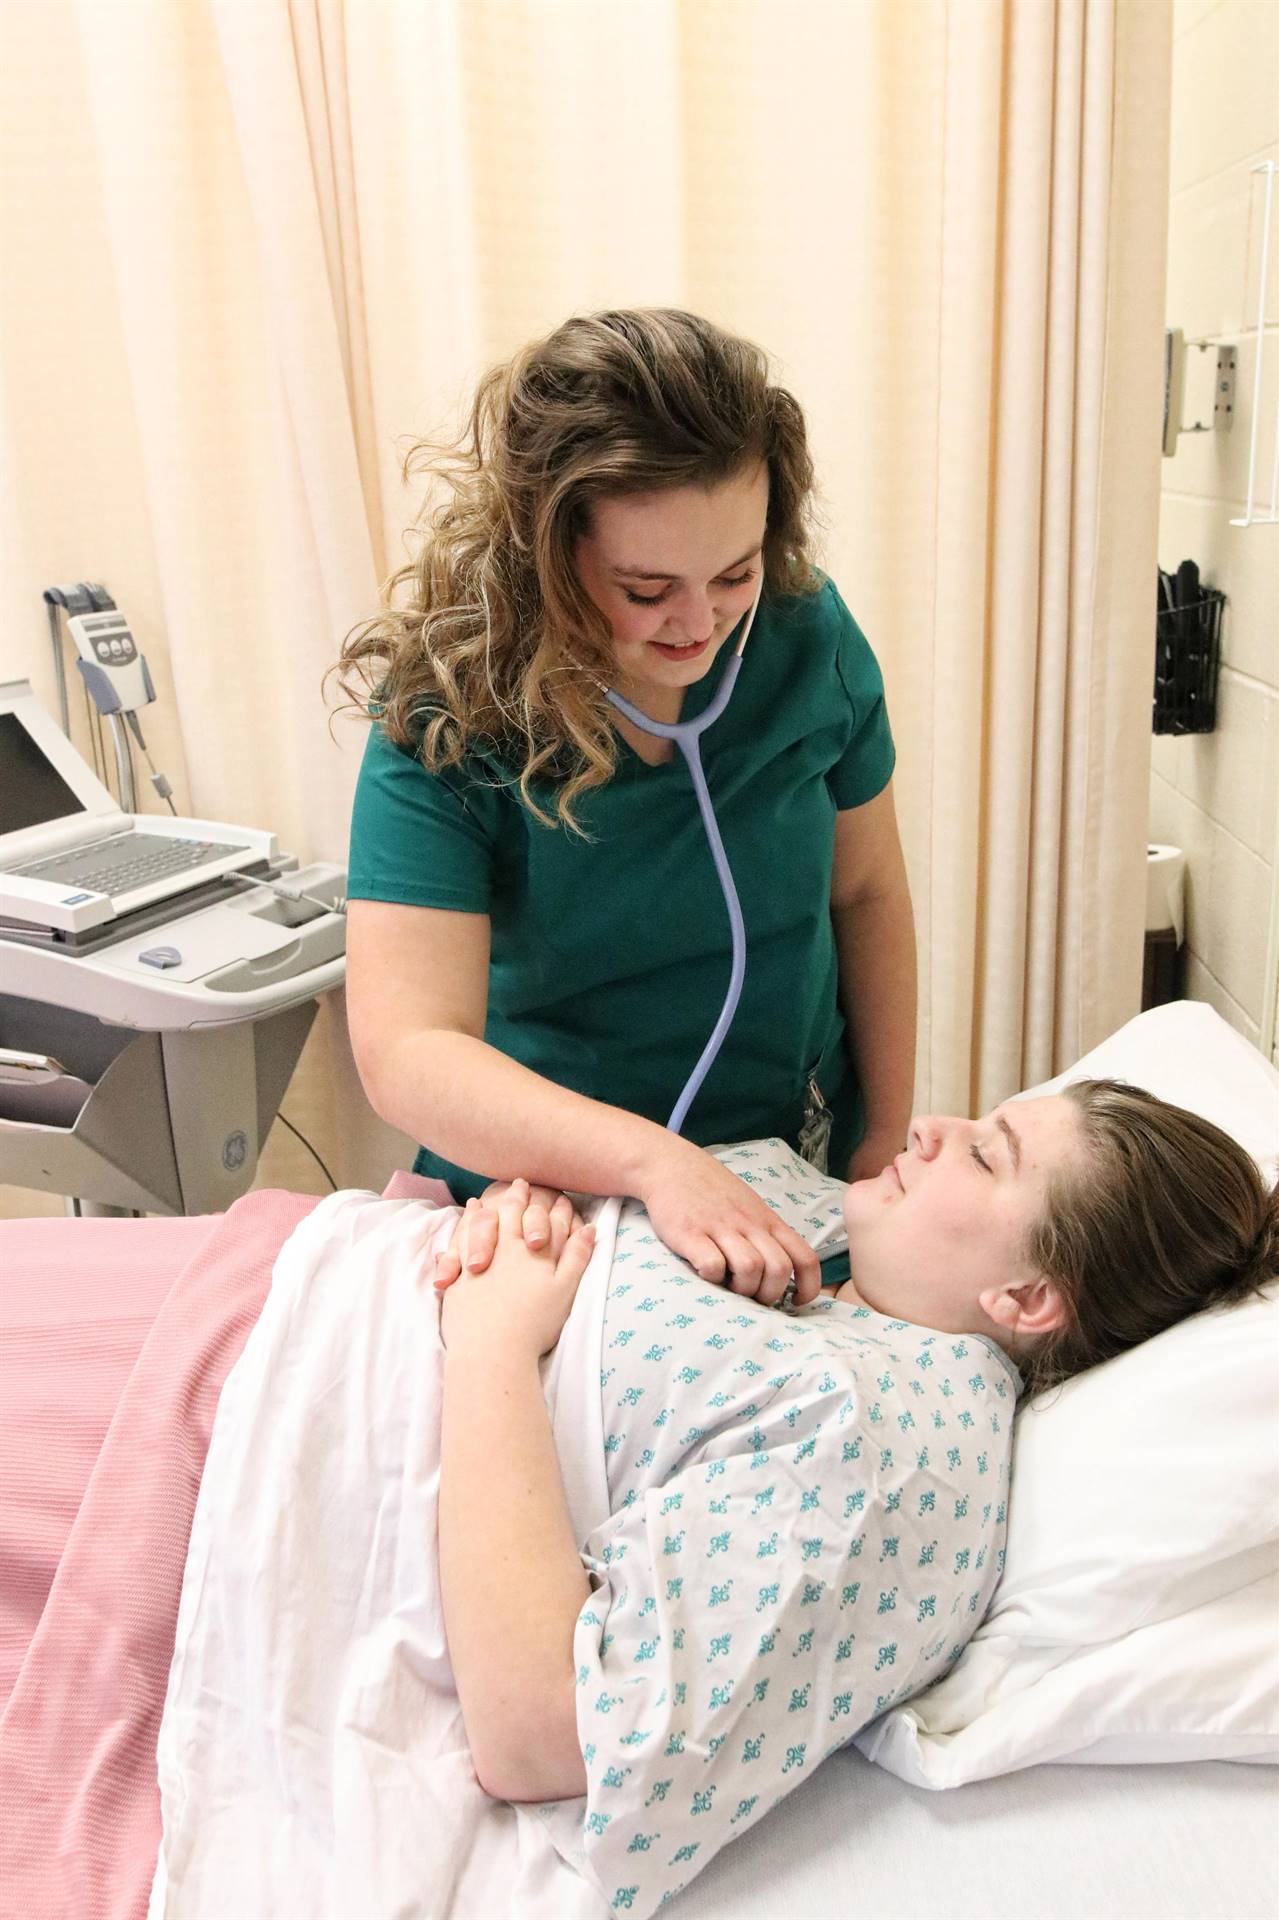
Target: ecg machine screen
{"type": "Point", "coordinates": [32, 790]}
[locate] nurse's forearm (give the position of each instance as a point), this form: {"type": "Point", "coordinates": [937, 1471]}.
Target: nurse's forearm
{"type": "Point", "coordinates": [875, 940]}
{"type": "Point", "coordinates": [468, 1102]}
{"type": "Point", "coordinates": [511, 1576]}
{"type": "Point", "coordinates": [475, 1106]}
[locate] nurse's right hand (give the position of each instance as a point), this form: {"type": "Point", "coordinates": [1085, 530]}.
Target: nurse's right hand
{"type": "Point", "coordinates": [722, 1227]}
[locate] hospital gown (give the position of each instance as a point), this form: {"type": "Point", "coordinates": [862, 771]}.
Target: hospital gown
{"type": "Point", "coordinates": [807, 1524]}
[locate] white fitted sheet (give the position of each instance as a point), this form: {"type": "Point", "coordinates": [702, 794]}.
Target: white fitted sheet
{"type": "Point", "coordinates": [1194, 1842]}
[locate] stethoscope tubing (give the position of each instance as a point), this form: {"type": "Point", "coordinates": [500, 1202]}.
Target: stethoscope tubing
{"type": "Point", "coordinates": [687, 736]}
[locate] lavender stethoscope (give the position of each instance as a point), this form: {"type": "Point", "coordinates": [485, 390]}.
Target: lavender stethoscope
{"type": "Point", "coordinates": [687, 736]}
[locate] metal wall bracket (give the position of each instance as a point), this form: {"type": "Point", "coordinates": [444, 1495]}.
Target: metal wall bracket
{"type": "Point", "coordinates": [1223, 396]}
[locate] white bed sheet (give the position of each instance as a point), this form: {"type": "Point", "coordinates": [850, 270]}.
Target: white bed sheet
{"type": "Point", "coordinates": [1049, 1843]}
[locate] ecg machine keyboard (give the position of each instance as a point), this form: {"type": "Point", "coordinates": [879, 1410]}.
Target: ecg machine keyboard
{"type": "Point", "coordinates": [131, 860]}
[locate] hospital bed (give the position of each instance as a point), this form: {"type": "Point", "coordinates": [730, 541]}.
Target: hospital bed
{"type": "Point", "coordinates": [100, 1327]}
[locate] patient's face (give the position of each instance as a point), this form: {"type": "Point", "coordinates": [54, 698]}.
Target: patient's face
{"type": "Point", "coordinates": [947, 1220]}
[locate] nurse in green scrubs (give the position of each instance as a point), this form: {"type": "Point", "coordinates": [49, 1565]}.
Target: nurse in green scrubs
{"type": "Point", "coordinates": [538, 946]}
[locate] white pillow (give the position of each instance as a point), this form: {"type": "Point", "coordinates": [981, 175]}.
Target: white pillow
{"type": "Point", "coordinates": [1187, 1053]}
{"type": "Point", "coordinates": [1137, 1616]}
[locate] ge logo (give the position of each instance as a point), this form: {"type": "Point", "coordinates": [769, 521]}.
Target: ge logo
{"type": "Point", "coordinates": [235, 1150]}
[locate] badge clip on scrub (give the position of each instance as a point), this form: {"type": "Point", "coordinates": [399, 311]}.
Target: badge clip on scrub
{"type": "Point", "coordinates": [687, 736]}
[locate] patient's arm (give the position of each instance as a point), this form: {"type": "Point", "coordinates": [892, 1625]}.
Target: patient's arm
{"type": "Point", "coordinates": [510, 1572]}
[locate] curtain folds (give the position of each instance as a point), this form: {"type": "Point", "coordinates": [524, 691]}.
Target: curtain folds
{"type": "Point", "coordinates": [312, 225]}
{"type": "Point", "coordinates": [1050, 305]}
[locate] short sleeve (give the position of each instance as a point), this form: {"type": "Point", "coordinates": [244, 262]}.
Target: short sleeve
{"type": "Point", "coordinates": [866, 765]}
{"type": "Point", "coordinates": [418, 838]}
{"type": "Point", "coordinates": [739, 1634]}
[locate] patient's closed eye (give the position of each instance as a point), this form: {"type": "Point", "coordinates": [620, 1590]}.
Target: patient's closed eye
{"type": "Point", "coordinates": [976, 1153]}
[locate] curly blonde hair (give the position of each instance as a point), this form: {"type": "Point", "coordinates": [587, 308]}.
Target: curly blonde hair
{"type": "Point", "coordinates": [487, 640]}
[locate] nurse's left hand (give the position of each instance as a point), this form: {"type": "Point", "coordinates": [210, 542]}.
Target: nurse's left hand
{"type": "Point", "coordinates": [547, 1220]}
{"type": "Point", "coordinates": [873, 1154]}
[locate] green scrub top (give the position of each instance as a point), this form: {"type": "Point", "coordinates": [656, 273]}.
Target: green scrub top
{"type": "Point", "coordinates": [610, 956]}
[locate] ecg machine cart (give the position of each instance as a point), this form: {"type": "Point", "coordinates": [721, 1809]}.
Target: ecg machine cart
{"type": "Point", "coordinates": [171, 1072]}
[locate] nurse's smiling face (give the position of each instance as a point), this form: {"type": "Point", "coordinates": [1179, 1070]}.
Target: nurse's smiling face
{"type": "Point", "coordinates": [938, 1237]}
{"type": "Point", "coordinates": [673, 573]}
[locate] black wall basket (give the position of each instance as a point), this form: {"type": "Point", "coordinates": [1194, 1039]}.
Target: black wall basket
{"type": "Point", "coordinates": [1187, 656]}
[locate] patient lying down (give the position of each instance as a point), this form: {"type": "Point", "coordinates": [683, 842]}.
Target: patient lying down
{"type": "Point", "coordinates": [808, 1514]}
{"type": "Point", "coordinates": [735, 1538]}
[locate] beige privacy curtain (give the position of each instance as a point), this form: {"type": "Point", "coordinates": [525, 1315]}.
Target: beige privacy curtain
{"type": "Point", "coordinates": [1034, 700]}
{"type": "Point", "coordinates": [254, 247]}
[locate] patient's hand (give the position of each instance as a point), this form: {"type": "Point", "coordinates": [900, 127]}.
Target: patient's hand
{"type": "Point", "coordinates": [548, 1220]}
{"type": "Point", "coordinates": [521, 1297]}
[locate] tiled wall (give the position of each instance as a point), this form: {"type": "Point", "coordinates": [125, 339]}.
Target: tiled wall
{"type": "Point", "coordinates": [1216, 795]}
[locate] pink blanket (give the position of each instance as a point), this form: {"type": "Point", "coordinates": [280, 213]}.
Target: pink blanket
{"type": "Point", "coordinates": [77, 1300]}
{"type": "Point", "coordinates": [79, 1808]}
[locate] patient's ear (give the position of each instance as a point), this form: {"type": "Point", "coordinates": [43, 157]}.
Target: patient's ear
{"type": "Point", "coordinates": [1030, 1307]}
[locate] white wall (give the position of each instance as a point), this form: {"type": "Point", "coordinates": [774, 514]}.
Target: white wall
{"type": "Point", "coordinates": [1215, 795]}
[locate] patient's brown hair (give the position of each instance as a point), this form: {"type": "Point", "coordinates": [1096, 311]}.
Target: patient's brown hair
{"type": "Point", "coordinates": [1164, 1215]}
